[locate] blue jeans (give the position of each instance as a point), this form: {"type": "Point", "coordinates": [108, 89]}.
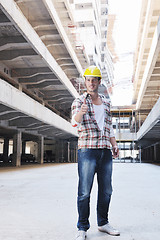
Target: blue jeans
{"type": "Point", "coordinates": [91, 161]}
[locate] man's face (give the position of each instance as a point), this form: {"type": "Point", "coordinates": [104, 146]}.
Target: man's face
{"type": "Point", "coordinates": [92, 84]}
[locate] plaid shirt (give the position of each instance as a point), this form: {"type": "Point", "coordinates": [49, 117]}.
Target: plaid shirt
{"type": "Point", "coordinates": [90, 136]}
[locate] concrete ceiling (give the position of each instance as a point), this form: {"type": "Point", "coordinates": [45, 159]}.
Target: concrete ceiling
{"type": "Point", "coordinates": [39, 57]}
{"type": "Point", "coordinates": [147, 58]}
{"type": "Point", "coordinates": [27, 68]}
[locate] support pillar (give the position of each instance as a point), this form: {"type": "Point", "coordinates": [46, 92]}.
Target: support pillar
{"type": "Point", "coordinates": [69, 154]}
{"type": "Point", "coordinates": [75, 148]}
{"type": "Point", "coordinates": [155, 153]}
{"type": "Point", "coordinates": [40, 150]}
{"type": "Point", "coordinates": [23, 147]}
{"type": "Point", "coordinates": [158, 153]}
{"type": "Point", "coordinates": [57, 151]}
{"type": "Point", "coordinates": [140, 156]}
{"type": "Point", "coordinates": [5, 149]}
{"type": "Point", "coordinates": [17, 148]}
{"type": "Point", "coordinates": [61, 154]}
{"type": "Point", "coordinates": [62, 151]}
{"type": "Point", "coordinates": [74, 151]}
{"type": "Point", "coordinates": [124, 150]}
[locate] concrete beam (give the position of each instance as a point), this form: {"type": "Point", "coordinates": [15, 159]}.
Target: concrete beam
{"type": "Point", "coordinates": [157, 64]}
{"type": "Point", "coordinates": [151, 120]}
{"type": "Point", "coordinates": [39, 78]}
{"type": "Point", "coordinates": [48, 32]}
{"type": "Point", "coordinates": [10, 117]}
{"type": "Point", "coordinates": [4, 20]}
{"type": "Point", "coordinates": [17, 100]}
{"type": "Point", "coordinates": [59, 99]}
{"type": "Point", "coordinates": [46, 84]}
{"type": "Point", "coordinates": [41, 24]}
{"type": "Point", "coordinates": [154, 78]}
{"type": "Point", "coordinates": [156, 72]}
{"type": "Point", "coordinates": [32, 125]}
{"type": "Point", "coordinates": [53, 13]}
{"type": "Point", "coordinates": [25, 72]}
{"type": "Point", "coordinates": [21, 121]}
{"type": "Point", "coordinates": [56, 92]}
{"type": "Point", "coordinates": [126, 136]}
{"type": "Point", "coordinates": [12, 40]}
{"type": "Point", "coordinates": [152, 58]}
{"type": "Point", "coordinates": [4, 123]}
{"type": "Point", "coordinates": [14, 14]}
{"type": "Point", "coordinates": [56, 96]}
{"type": "Point", "coordinates": [12, 54]}
{"type": "Point", "coordinates": [145, 18]}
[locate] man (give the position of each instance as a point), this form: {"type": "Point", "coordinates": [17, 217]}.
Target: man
{"type": "Point", "coordinates": [91, 115]}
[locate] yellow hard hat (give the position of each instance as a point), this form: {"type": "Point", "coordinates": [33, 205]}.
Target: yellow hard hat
{"type": "Point", "coordinates": [92, 71]}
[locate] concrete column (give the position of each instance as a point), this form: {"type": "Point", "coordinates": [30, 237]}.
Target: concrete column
{"type": "Point", "coordinates": [73, 151]}
{"type": "Point", "coordinates": [5, 149]}
{"type": "Point", "coordinates": [116, 126]}
{"type": "Point", "coordinates": [139, 120]}
{"type": "Point", "coordinates": [76, 153]}
{"type": "Point", "coordinates": [23, 147]}
{"type": "Point", "coordinates": [69, 152]}
{"type": "Point", "coordinates": [147, 154]}
{"type": "Point", "coordinates": [57, 151]}
{"type": "Point", "coordinates": [67, 148]}
{"type": "Point", "coordinates": [40, 150]}
{"type": "Point", "coordinates": [155, 153]}
{"type": "Point", "coordinates": [75, 159]}
{"type": "Point", "coordinates": [62, 151]}
{"type": "Point", "coordinates": [124, 152]}
{"type": "Point", "coordinates": [17, 149]}
{"type": "Point", "coordinates": [158, 153]}
{"type": "Point", "coordinates": [140, 155]}
{"type": "Point", "coordinates": [152, 154]}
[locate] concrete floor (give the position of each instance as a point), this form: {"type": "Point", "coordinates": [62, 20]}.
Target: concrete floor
{"type": "Point", "coordinates": [39, 203]}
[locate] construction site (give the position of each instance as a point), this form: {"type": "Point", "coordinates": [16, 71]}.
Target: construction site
{"type": "Point", "coordinates": [45, 46]}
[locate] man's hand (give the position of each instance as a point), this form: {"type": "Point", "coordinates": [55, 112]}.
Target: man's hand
{"type": "Point", "coordinates": [84, 108]}
{"type": "Point", "coordinates": [115, 151]}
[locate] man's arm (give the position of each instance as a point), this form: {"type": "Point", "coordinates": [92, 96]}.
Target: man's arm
{"type": "Point", "coordinates": [78, 110]}
{"type": "Point", "coordinates": [84, 109]}
{"type": "Point", "coordinates": [113, 142]}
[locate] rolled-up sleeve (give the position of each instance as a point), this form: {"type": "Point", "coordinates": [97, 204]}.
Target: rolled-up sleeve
{"type": "Point", "coordinates": [75, 108]}
{"type": "Point", "coordinates": [73, 121]}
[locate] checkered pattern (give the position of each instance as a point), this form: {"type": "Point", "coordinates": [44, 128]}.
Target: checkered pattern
{"type": "Point", "coordinates": [90, 136]}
